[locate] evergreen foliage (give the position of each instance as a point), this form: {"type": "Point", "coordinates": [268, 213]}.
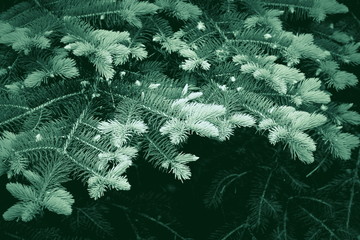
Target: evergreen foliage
{"type": "Point", "coordinates": [94, 91]}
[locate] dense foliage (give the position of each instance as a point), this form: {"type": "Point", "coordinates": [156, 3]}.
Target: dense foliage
{"type": "Point", "coordinates": [173, 119]}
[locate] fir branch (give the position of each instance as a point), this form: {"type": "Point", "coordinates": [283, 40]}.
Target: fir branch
{"type": "Point", "coordinates": [92, 217]}
{"type": "Point", "coordinates": [180, 9]}
{"type": "Point", "coordinates": [284, 4]}
{"type": "Point", "coordinates": [40, 107]}
{"type": "Point", "coordinates": [151, 219]}
{"type": "Point", "coordinates": [45, 191]}
{"type": "Point", "coordinates": [127, 10]}
{"type": "Point", "coordinates": [61, 152]}
{"type": "Point", "coordinates": [89, 144]}
{"type": "Point", "coordinates": [167, 156]}
{"type": "Point", "coordinates": [355, 180]}
{"type": "Point", "coordinates": [14, 106]}
{"type": "Point", "coordinates": [259, 206]}
{"type": "Point", "coordinates": [296, 183]}
{"type": "Point", "coordinates": [171, 72]}
{"type": "Point", "coordinates": [354, 16]}
{"type": "Point", "coordinates": [326, 204]}
{"type": "Point", "coordinates": [315, 9]}
{"type": "Point", "coordinates": [230, 232]}
{"type": "Point", "coordinates": [320, 164]}
{"type": "Point", "coordinates": [74, 128]}
{"type": "Point", "coordinates": [320, 222]}
{"type": "Point", "coordinates": [220, 183]}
